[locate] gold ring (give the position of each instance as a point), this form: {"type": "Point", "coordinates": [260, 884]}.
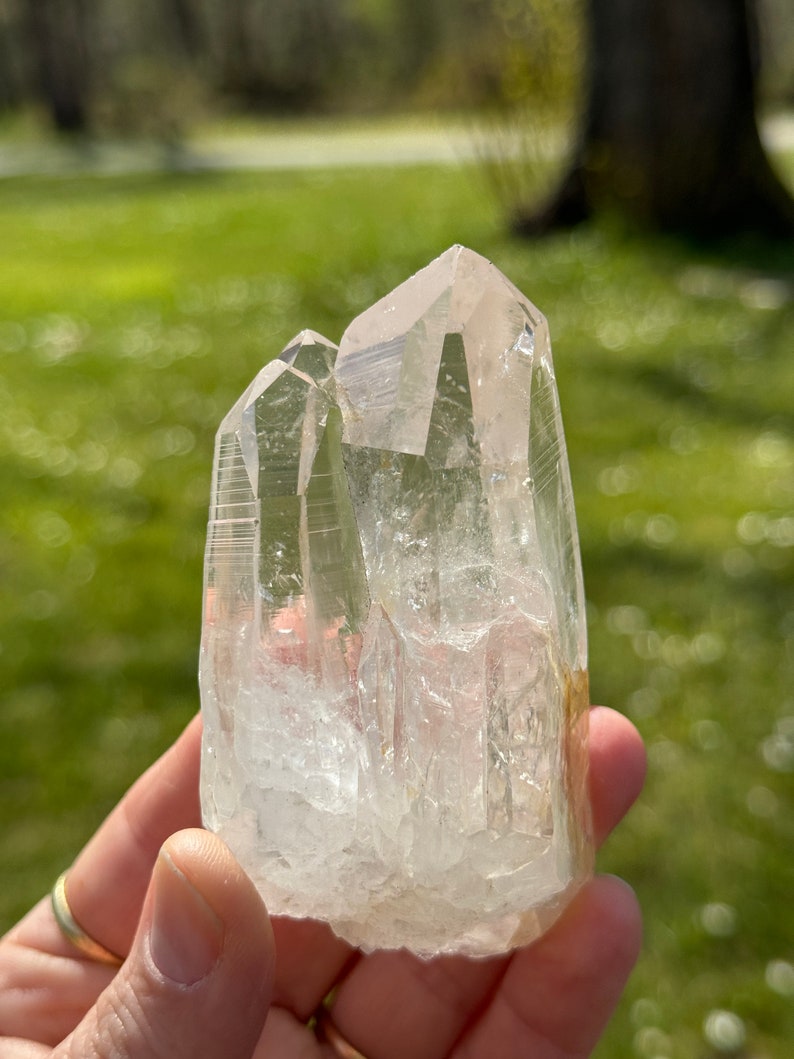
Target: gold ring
{"type": "Point", "coordinates": [72, 930]}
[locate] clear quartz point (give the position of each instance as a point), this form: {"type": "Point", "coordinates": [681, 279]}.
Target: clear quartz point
{"type": "Point", "coordinates": [393, 662]}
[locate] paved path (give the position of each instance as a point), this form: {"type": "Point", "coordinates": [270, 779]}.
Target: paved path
{"type": "Point", "coordinates": [314, 147]}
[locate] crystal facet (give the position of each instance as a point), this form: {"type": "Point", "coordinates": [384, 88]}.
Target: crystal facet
{"type": "Point", "coordinates": [393, 665]}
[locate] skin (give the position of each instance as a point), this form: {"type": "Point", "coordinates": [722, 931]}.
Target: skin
{"type": "Point", "coordinates": [208, 973]}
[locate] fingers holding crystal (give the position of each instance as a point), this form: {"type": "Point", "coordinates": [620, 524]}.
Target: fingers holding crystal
{"type": "Point", "coordinates": [311, 959]}
{"type": "Point", "coordinates": [45, 986]}
{"type": "Point", "coordinates": [438, 996]}
{"type": "Point", "coordinates": [109, 878]}
{"type": "Point", "coordinates": [393, 1004]}
{"type": "Point", "coordinates": [117, 863]}
{"type": "Point", "coordinates": [617, 768]}
{"type": "Point", "coordinates": [108, 881]}
{"type": "Point", "coordinates": [556, 996]}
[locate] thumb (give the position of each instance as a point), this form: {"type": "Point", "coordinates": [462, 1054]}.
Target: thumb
{"type": "Point", "coordinates": [199, 977]}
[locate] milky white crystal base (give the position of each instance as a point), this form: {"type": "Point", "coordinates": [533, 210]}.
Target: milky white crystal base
{"type": "Point", "coordinates": [393, 669]}
{"type": "Point", "coordinates": [380, 877]}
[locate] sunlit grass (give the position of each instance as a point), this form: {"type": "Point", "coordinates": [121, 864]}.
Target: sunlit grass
{"type": "Point", "coordinates": [132, 313]}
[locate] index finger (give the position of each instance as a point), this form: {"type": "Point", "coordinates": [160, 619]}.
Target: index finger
{"type": "Point", "coordinates": [107, 883]}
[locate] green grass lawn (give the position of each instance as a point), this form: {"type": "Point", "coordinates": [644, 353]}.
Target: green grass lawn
{"type": "Point", "coordinates": [132, 313]}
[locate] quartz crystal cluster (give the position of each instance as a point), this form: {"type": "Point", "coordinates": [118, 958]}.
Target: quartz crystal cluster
{"type": "Point", "coordinates": [393, 663]}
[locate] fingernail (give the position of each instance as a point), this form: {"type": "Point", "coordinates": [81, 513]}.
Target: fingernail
{"type": "Point", "coordinates": [185, 936]}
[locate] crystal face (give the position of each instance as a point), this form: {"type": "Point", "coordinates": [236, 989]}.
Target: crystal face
{"type": "Point", "coordinates": [393, 664]}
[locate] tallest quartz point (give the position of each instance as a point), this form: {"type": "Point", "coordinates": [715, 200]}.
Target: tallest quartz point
{"type": "Point", "coordinates": [393, 668]}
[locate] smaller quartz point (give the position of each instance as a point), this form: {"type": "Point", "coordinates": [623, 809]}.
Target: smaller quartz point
{"type": "Point", "coordinates": [393, 664]}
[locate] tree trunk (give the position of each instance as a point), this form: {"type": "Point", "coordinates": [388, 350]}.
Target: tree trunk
{"type": "Point", "coordinates": [10, 92]}
{"type": "Point", "coordinates": [58, 36]}
{"type": "Point", "coordinates": [186, 22]}
{"type": "Point", "coordinates": [670, 136]}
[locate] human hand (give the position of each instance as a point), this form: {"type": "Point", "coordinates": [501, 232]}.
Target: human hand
{"type": "Point", "coordinates": [201, 974]}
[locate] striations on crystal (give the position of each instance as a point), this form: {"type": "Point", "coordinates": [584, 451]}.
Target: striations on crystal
{"type": "Point", "coordinates": [393, 664]}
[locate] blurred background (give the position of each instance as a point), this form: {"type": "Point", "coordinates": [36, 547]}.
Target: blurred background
{"type": "Point", "coordinates": [185, 185]}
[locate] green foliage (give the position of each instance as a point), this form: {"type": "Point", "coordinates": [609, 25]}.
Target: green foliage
{"type": "Point", "coordinates": [156, 66]}
{"type": "Point", "coordinates": [133, 312]}
{"type": "Point", "coordinates": [155, 69]}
